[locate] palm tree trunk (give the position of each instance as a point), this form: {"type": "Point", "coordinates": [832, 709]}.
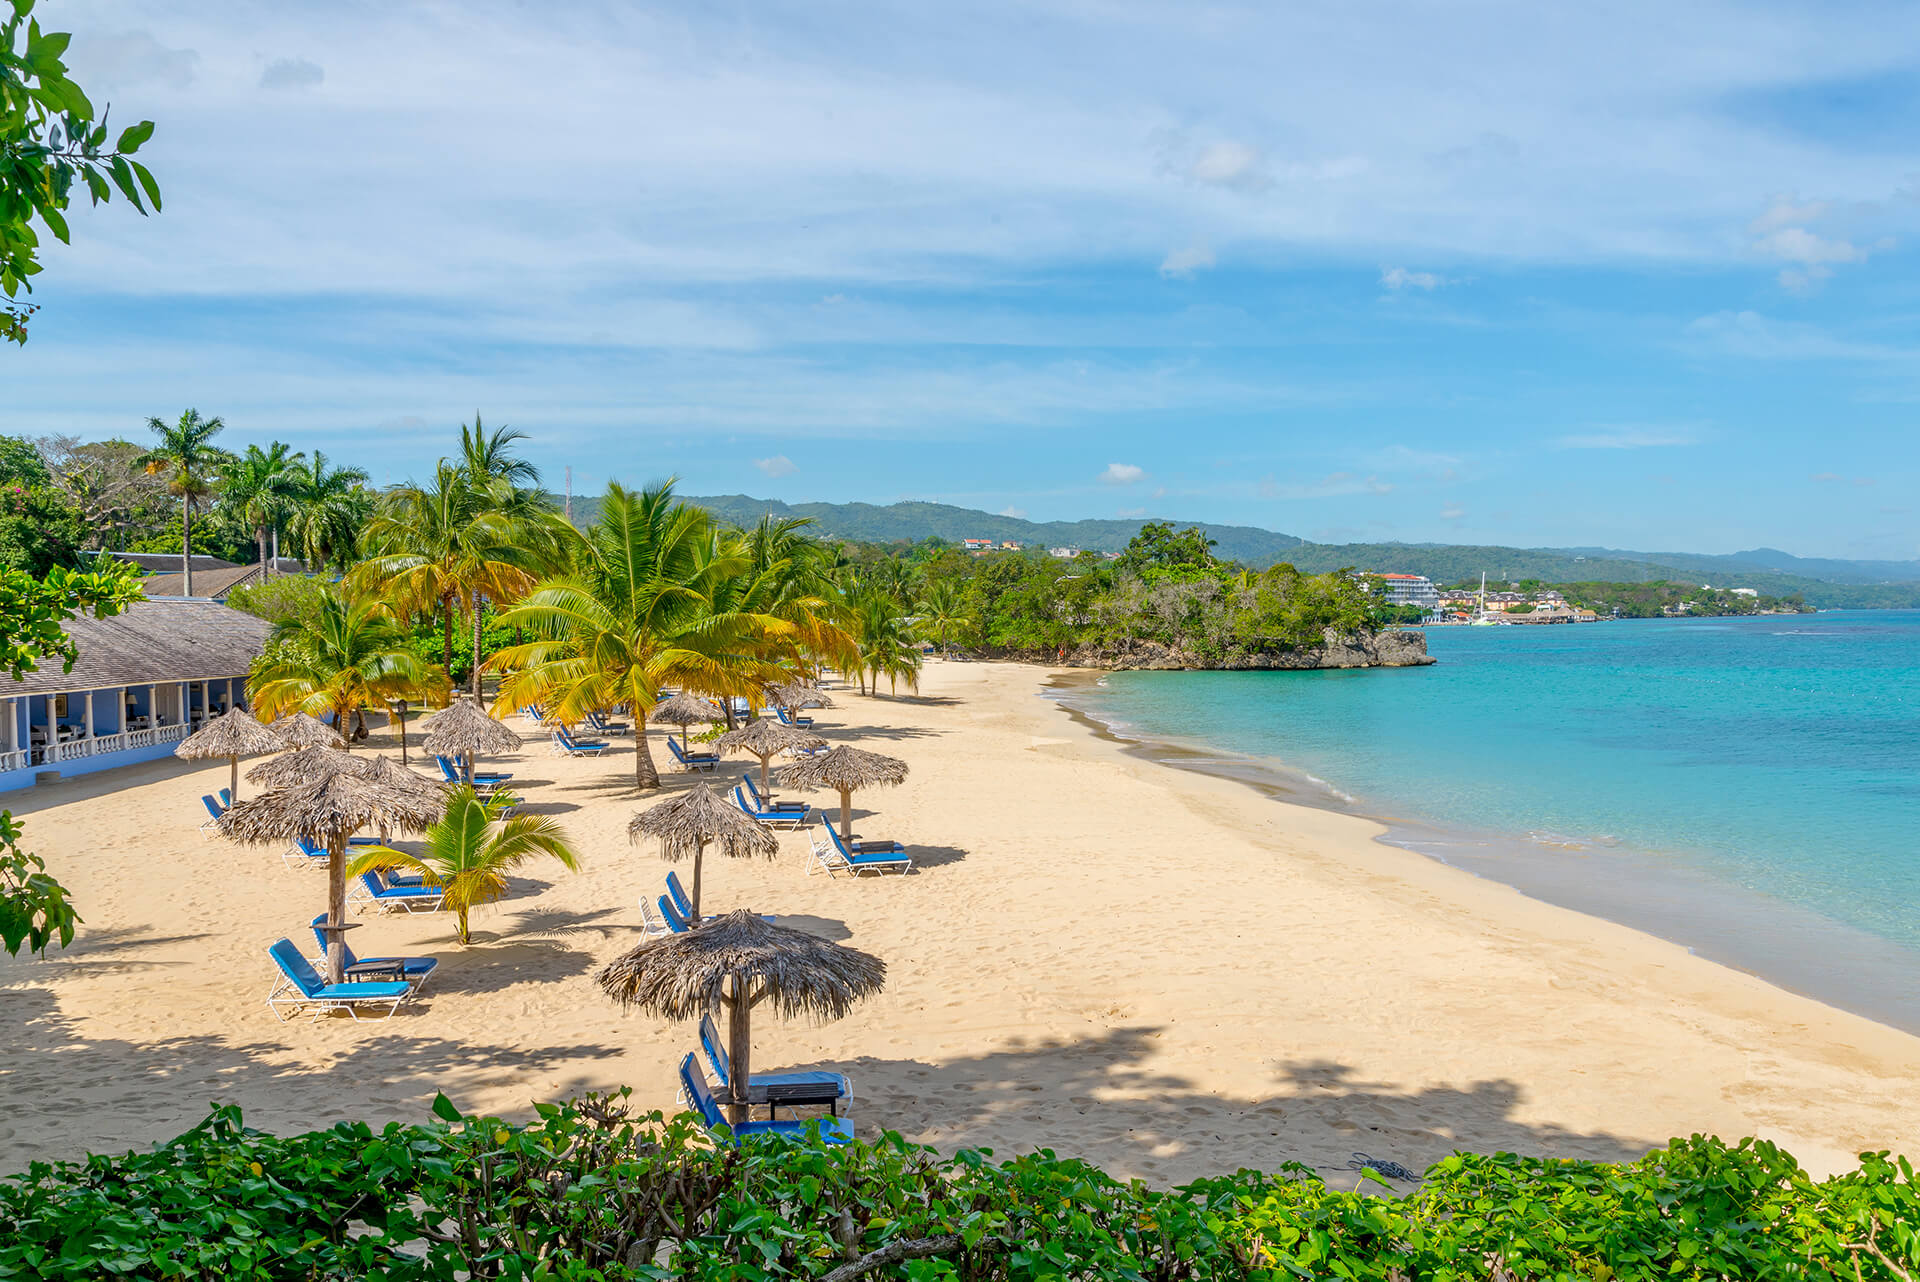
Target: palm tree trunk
{"type": "Point", "coordinates": [446, 634]}
{"type": "Point", "coordinates": [739, 1049]}
{"type": "Point", "coordinates": [460, 925]}
{"type": "Point", "coordinates": [186, 544]}
{"type": "Point", "coordinates": [846, 816]}
{"type": "Point", "coordinates": [699, 857]}
{"type": "Point", "coordinates": [336, 906]}
{"type": "Point", "coordinates": [645, 776]}
{"type": "Point", "coordinates": [260, 538]}
{"type": "Point", "coordinates": [476, 650]}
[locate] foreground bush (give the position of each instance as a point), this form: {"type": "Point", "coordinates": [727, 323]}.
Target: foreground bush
{"type": "Point", "coordinates": [588, 1193]}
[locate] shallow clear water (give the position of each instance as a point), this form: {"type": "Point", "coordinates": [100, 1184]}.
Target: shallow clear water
{"type": "Point", "coordinates": [1736, 783]}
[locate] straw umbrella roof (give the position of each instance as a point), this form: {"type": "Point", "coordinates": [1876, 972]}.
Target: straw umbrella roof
{"type": "Point", "coordinates": [765, 737]}
{"type": "Point", "coordinates": [685, 709]}
{"type": "Point", "coordinates": [303, 731]}
{"type": "Point", "coordinates": [464, 727]}
{"type": "Point", "coordinates": [336, 803]}
{"type": "Point", "coordinates": [694, 819]}
{"type": "Point", "coordinates": [685, 976]}
{"type": "Point", "coordinates": [305, 765]}
{"type": "Point", "coordinates": [798, 694]}
{"type": "Point", "coordinates": [385, 770]}
{"type": "Point", "coordinates": [235, 733]}
{"type": "Point", "coordinates": [845, 769]}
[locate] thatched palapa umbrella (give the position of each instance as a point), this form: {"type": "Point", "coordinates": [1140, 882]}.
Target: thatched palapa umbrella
{"type": "Point", "coordinates": [845, 770]}
{"type": "Point", "coordinates": [739, 961]}
{"type": "Point", "coordinates": [329, 810]}
{"type": "Point", "coordinates": [687, 823]}
{"type": "Point", "coordinates": [794, 695]}
{"type": "Point", "coordinates": [683, 710]}
{"type": "Point", "coordinates": [305, 765]}
{"type": "Point", "coordinates": [463, 729]}
{"type": "Point", "coordinates": [235, 734]}
{"type": "Point", "coordinates": [301, 730]}
{"type": "Point", "coordinates": [767, 739]}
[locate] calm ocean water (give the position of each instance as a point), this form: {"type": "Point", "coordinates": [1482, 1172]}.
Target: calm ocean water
{"type": "Point", "coordinates": [1749, 787]}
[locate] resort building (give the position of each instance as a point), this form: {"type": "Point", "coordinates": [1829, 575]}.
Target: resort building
{"type": "Point", "coordinates": [143, 681]}
{"type": "Point", "coordinates": [1064, 554]}
{"type": "Point", "coordinates": [1410, 589]}
{"type": "Point", "coordinates": [977, 545]}
{"type": "Point", "coordinates": [213, 578]}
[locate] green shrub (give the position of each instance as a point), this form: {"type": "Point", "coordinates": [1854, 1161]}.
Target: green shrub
{"type": "Point", "coordinates": [587, 1192]}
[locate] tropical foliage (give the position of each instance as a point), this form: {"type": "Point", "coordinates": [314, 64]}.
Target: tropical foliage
{"type": "Point", "coordinates": [184, 460]}
{"type": "Point", "coordinates": [51, 141]}
{"type": "Point", "coordinates": [589, 1192]}
{"type": "Point", "coordinates": [351, 654]}
{"type": "Point", "coordinates": [471, 851]}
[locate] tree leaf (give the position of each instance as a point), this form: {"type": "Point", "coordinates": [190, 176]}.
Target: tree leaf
{"type": "Point", "coordinates": [132, 136]}
{"type": "Point", "coordinates": [147, 184]}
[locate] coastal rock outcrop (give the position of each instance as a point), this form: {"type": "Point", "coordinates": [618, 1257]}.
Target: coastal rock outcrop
{"type": "Point", "coordinates": [1393, 648]}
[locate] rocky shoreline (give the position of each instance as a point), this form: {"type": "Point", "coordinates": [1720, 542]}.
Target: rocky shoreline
{"type": "Point", "coordinates": [1393, 648]}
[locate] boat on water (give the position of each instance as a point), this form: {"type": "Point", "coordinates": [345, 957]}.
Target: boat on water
{"type": "Point", "coordinates": [1481, 619]}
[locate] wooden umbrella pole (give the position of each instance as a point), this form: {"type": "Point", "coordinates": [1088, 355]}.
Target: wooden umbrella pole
{"type": "Point", "coordinates": [846, 816]}
{"type": "Point", "coordinates": [337, 906]}
{"type": "Point", "coordinates": [233, 778]}
{"type": "Point", "coordinates": [699, 854]}
{"type": "Point", "coordinates": [739, 1049]}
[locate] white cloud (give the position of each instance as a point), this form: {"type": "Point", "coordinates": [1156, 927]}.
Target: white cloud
{"type": "Point", "coordinates": [129, 59]}
{"type": "Point", "coordinates": [1401, 278]}
{"type": "Point", "coordinates": [292, 73]}
{"type": "Point", "coordinates": [1754, 336]}
{"type": "Point", "coordinates": [777, 466]}
{"type": "Point", "coordinates": [1333, 485]}
{"type": "Point", "coordinates": [1627, 438]}
{"type": "Point", "coordinates": [1183, 263]}
{"type": "Point", "coordinates": [1452, 512]}
{"type": "Point", "coordinates": [1227, 164]}
{"type": "Point", "coordinates": [1126, 512]}
{"type": "Point", "coordinates": [1780, 232]}
{"type": "Point", "coordinates": [1123, 474]}
{"type": "Point", "coordinates": [1018, 513]}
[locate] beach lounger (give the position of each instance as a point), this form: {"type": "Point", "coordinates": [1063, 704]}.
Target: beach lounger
{"type": "Point", "coordinates": [450, 769]}
{"type": "Point", "coordinates": [600, 725]}
{"type": "Point", "coordinates": [226, 799]}
{"type": "Point", "coordinates": [765, 801]}
{"type": "Point", "coordinates": [652, 922]}
{"type": "Point", "coordinates": [788, 719]}
{"type": "Point", "coordinates": [699, 1095]}
{"type": "Point", "coordinates": [670, 913]}
{"type": "Point", "coordinates": [832, 856]}
{"type": "Point", "coordinates": [304, 854]}
{"type": "Point", "coordinates": [214, 811]}
{"type": "Point", "coordinates": [683, 903]}
{"type": "Point", "coordinates": [777, 1089]}
{"type": "Point", "coordinates": [412, 971]}
{"type": "Point", "coordinates": [772, 818]}
{"type": "Point", "coordinates": [572, 747]}
{"type": "Point", "coordinates": [300, 987]}
{"type": "Point", "coordinates": [376, 890]}
{"type": "Point", "coordinates": [692, 760]}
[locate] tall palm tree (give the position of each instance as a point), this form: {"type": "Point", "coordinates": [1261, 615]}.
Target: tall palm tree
{"type": "Point", "coordinates": [470, 852]}
{"type": "Point", "coordinates": [489, 456]}
{"type": "Point", "coordinates": [329, 507]}
{"type": "Point", "coordinates": [259, 487]}
{"type": "Point", "coordinates": [445, 548]}
{"type": "Point", "coordinates": [884, 635]}
{"type": "Point", "coordinates": [942, 611]}
{"type": "Point", "coordinates": [185, 459]}
{"type": "Point", "coordinates": [350, 655]}
{"type": "Point", "coordinates": [638, 612]}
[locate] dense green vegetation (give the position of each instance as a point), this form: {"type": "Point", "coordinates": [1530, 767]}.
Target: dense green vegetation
{"type": "Point", "coordinates": [1825, 583]}
{"type": "Point", "coordinates": [586, 1192]}
{"type": "Point", "coordinates": [1651, 600]}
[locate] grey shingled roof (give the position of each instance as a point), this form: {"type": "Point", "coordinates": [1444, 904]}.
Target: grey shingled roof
{"type": "Point", "coordinates": [152, 642]}
{"type": "Point", "coordinates": [169, 562]}
{"type": "Point", "coordinates": [207, 583]}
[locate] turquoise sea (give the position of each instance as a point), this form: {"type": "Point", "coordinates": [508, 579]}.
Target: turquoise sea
{"type": "Point", "coordinates": [1748, 787]}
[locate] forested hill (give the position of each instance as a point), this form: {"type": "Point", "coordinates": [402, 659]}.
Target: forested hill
{"type": "Point", "coordinates": [1822, 582]}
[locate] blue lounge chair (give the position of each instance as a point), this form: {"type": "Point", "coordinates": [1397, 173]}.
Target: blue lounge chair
{"type": "Point", "coordinates": [375, 889]}
{"type": "Point", "coordinates": [226, 799]}
{"type": "Point", "coordinates": [693, 1081]}
{"type": "Point", "coordinates": [573, 747]}
{"type": "Point", "coordinates": [676, 920]}
{"type": "Point", "coordinates": [304, 854]}
{"type": "Point", "coordinates": [765, 800]}
{"type": "Point", "coordinates": [692, 760]}
{"type": "Point", "coordinates": [451, 770]}
{"type": "Point", "coordinates": [772, 818]}
{"type": "Point", "coordinates": [300, 986]}
{"type": "Point", "coordinates": [412, 971]}
{"type": "Point", "coordinates": [832, 856]}
{"type": "Point", "coordinates": [788, 719]}
{"type": "Point", "coordinates": [683, 904]}
{"type": "Point", "coordinates": [797, 1082]}
{"type": "Point", "coordinates": [600, 725]}
{"type": "Point", "coordinates": [214, 811]}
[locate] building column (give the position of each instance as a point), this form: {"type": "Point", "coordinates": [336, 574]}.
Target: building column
{"type": "Point", "coordinates": [86, 712]}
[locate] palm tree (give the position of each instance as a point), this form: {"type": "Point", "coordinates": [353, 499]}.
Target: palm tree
{"type": "Point", "coordinates": [351, 655]}
{"type": "Point", "coordinates": [259, 486]}
{"type": "Point", "coordinates": [942, 610]}
{"type": "Point", "coordinates": [470, 852]}
{"type": "Point", "coordinates": [884, 636]}
{"type": "Point", "coordinates": [489, 457]}
{"type": "Point", "coordinates": [443, 549]}
{"type": "Point", "coordinates": [646, 605]}
{"type": "Point", "coordinates": [185, 458]}
{"type": "Point", "coordinates": [329, 507]}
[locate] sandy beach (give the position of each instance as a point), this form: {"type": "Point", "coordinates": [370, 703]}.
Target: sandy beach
{"type": "Point", "coordinates": [1165, 973]}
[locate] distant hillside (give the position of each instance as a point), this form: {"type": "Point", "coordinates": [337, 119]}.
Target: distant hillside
{"type": "Point", "coordinates": [1823, 582]}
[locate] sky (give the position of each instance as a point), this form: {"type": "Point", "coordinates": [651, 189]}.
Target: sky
{"type": "Point", "coordinates": [1637, 275]}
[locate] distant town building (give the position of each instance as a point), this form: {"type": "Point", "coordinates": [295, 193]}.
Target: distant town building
{"type": "Point", "coordinates": [1745, 591]}
{"type": "Point", "coordinates": [1410, 589]}
{"type": "Point", "coordinates": [1008, 545]}
{"type": "Point", "coordinates": [977, 545]}
{"type": "Point", "coordinates": [1065, 554]}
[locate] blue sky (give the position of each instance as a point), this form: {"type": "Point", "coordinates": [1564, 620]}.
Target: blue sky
{"type": "Point", "coordinates": [1642, 275]}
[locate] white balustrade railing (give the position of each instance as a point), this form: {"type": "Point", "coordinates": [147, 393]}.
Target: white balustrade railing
{"type": "Point", "coordinates": [99, 745]}
{"type": "Point", "coordinates": [16, 760]}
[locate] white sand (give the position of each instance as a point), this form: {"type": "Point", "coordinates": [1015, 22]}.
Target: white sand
{"type": "Point", "coordinates": [1165, 973]}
